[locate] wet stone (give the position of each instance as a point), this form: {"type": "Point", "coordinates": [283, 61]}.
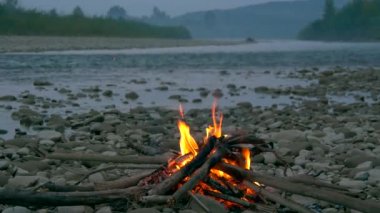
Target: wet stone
{"type": "Point", "coordinates": [16, 209]}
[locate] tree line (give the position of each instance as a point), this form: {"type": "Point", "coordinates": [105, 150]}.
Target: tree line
{"type": "Point", "coordinates": [359, 20]}
{"type": "Point", "coordinates": [15, 20]}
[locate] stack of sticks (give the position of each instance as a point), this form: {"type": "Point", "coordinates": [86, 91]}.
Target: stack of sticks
{"type": "Point", "coordinates": [158, 187]}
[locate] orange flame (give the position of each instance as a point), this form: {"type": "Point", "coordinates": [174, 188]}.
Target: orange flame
{"type": "Point", "coordinates": [247, 157]}
{"type": "Point", "coordinates": [187, 143]}
{"type": "Point", "coordinates": [216, 128]}
{"type": "Point", "coordinates": [189, 149]}
{"type": "Point", "coordinates": [181, 112]}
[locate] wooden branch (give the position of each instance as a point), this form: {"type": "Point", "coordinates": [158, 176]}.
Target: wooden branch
{"type": "Point", "coordinates": [368, 206]}
{"type": "Point", "coordinates": [155, 199]}
{"type": "Point", "coordinates": [159, 159]}
{"type": "Point", "coordinates": [277, 198]}
{"type": "Point", "coordinates": [246, 204]}
{"type": "Point", "coordinates": [309, 180]}
{"type": "Point", "coordinates": [123, 182]}
{"type": "Point", "coordinates": [200, 174]}
{"type": "Point", "coordinates": [128, 166]}
{"type": "Point", "coordinates": [165, 186]}
{"type": "Point", "coordinates": [230, 198]}
{"type": "Point", "coordinates": [32, 198]}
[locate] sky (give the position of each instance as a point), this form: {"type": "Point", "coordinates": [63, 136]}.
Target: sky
{"type": "Point", "coordinates": [137, 7]}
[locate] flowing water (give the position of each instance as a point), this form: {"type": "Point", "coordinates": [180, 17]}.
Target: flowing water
{"type": "Point", "coordinates": [156, 74]}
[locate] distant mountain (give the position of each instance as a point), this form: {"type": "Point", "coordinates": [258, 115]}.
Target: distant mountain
{"type": "Point", "coordinates": [269, 20]}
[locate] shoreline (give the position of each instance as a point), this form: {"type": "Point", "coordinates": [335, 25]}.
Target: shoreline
{"type": "Point", "coordinates": [14, 44]}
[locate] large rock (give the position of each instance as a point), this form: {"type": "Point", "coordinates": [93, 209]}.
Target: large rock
{"type": "Point", "coordinates": [16, 209]}
{"type": "Point", "coordinates": [294, 140]}
{"type": "Point", "coordinates": [50, 135]}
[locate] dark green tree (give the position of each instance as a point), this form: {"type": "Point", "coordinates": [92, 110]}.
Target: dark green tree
{"type": "Point", "coordinates": [329, 11]}
{"type": "Point", "coordinates": [117, 12]}
{"type": "Point", "coordinates": [11, 4]}
{"type": "Point", "coordinates": [78, 12]}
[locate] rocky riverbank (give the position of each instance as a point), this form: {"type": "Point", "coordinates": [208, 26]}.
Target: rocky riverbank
{"type": "Point", "coordinates": [338, 142]}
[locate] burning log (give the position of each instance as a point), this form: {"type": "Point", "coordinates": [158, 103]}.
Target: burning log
{"type": "Point", "coordinates": [200, 174]}
{"type": "Point", "coordinates": [187, 170]}
{"type": "Point", "coordinates": [321, 194]}
{"type": "Point", "coordinates": [277, 198]}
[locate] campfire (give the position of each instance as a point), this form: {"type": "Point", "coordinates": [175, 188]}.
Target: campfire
{"type": "Point", "coordinates": [217, 166]}
{"type": "Point", "coordinates": [194, 170]}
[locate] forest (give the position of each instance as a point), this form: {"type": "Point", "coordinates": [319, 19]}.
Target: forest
{"type": "Point", "coordinates": [18, 21]}
{"type": "Point", "coordinates": [359, 20]}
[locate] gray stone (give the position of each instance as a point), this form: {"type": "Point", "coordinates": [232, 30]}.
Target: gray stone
{"type": "Point", "coordinates": [23, 181]}
{"type": "Point", "coordinates": [8, 98]}
{"type": "Point", "coordinates": [74, 209]}
{"type": "Point", "coordinates": [16, 209]}
{"type": "Point", "coordinates": [41, 83]}
{"type": "Point", "coordinates": [352, 184]}
{"type": "Point", "coordinates": [23, 151]}
{"type": "Point", "coordinates": [4, 164]}
{"type": "Point", "coordinates": [96, 178]}
{"type": "Point", "coordinates": [269, 158]}
{"type": "Point", "coordinates": [374, 175]}
{"type": "Point", "coordinates": [46, 143]}
{"type": "Point", "coordinates": [144, 210]}
{"type": "Point", "coordinates": [50, 135]}
{"type": "Point", "coordinates": [132, 96]}
{"type": "Point", "coordinates": [361, 176]}
{"type": "Point", "coordinates": [365, 165]}
{"type": "Point", "coordinates": [104, 209]}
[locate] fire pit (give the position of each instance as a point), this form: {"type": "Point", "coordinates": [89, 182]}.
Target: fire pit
{"type": "Point", "coordinates": [217, 166]}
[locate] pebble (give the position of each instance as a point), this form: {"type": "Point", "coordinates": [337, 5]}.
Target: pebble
{"type": "Point", "coordinates": [352, 184]}
{"type": "Point", "coordinates": [269, 158]}
{"type": "Point", "coordinates": [374, 175]}
{"type": "Point", "coordinates": [74, 209]}
{"type": "Point", "coordinates": [4, 164]}
{"type": "Point", "coordinates": [50, 135]}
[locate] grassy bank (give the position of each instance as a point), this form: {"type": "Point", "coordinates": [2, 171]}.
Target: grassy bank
{"type": "Point", "coordinates": [17, 21]}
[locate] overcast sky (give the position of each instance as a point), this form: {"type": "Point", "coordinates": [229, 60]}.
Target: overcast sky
{"type": "Point", "coordinates": [137, 7]}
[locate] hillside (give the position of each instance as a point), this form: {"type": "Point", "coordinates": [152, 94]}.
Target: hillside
{"type": "Point", "coordinates": [17, 21]}
{"type": "Point", "coordinates": [269, 20]}
{"type": "Point", "coordinates": [357, 21]}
